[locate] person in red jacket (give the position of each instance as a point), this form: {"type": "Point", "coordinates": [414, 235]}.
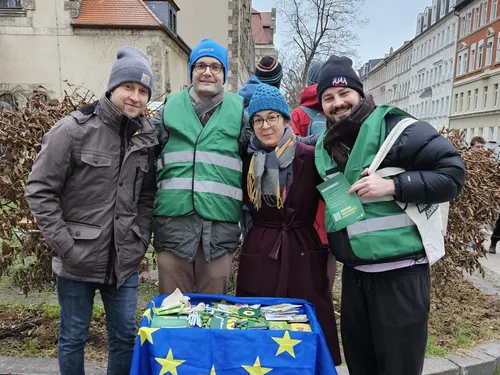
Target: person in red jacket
{"type": "Point", "coordinates": [308, 101]}
{"type": "Point", "coordinates": [309, 119]}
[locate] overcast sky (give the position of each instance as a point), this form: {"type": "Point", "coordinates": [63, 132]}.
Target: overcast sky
{"type": "Point", "coordinates": [391, 22]}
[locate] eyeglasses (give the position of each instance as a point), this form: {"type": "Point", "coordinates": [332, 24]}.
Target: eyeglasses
{"type": "Point", "coordinates": [201, 67]}
{"type": "Point", "coordinates": [272, 120]}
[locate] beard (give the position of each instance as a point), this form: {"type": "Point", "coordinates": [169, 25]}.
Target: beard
{"type": "Point", "coordinates": [333, 117]}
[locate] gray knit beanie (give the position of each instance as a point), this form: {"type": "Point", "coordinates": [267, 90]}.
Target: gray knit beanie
{"type": "Point", "coordinates": [132, 65]}
{"type": "Point", "coordinates": [313, 74]}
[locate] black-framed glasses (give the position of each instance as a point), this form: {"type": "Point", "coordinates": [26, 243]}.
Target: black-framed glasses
{"type": "Point", "coordinates": [272, 120]}
{"type": "Point", "coordinates": [201, 67]}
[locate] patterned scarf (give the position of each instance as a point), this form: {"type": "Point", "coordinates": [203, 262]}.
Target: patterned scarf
{"type": "Point", "coordinates": [270, 170]}
{"type": "Point", "coordinates": [205, 108]}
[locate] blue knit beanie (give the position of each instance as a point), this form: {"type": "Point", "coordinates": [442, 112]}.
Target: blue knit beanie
{"type": "Point", "coordinates": [313, 74]}
{"type": "Point", "coordinates": [268, 98]}
{"type": "Point", "coordinates": [211, 48]}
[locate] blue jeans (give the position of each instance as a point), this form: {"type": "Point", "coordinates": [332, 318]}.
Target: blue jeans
{"type": "Point", "coordinates": [77, 300]}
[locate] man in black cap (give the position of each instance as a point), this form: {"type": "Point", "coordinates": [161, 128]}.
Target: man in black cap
{"type": "Point", "coordinates": [385, 277]}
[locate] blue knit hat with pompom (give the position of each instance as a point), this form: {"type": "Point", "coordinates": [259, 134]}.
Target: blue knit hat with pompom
{"type": "Point", "coordinates": [268, 98]}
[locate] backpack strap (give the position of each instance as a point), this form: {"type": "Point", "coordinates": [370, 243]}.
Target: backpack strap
{"type": "Point", "coordinates": [310, 112]}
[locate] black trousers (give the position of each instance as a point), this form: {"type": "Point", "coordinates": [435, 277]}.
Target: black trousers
{"type": "Point", "coordinates": [495, 237]}
{"type": "Point", "coordinates": [384, 320]}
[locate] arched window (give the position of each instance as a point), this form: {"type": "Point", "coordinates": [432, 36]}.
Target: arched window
{"type": "Point", "coordinates": [8, 101]}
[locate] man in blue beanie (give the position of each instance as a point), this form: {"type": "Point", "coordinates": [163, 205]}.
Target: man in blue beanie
{"type": "Point", "coordinates": [201, 132]}
{"type": "Point", "coordinates": [91, 191]}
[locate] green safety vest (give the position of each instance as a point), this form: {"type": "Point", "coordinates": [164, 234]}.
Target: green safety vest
{"type": "Point", "coordinates": [386, 231]}
{"type": "Point", "coordinates": [199, 169]}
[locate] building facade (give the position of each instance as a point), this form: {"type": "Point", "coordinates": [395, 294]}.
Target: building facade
{"type": "Point", "coordinates": [263, 30]}
{"type": "Point", "coordinates": [417, 77]}
{"type": "Point", "coordinates": [46, 44]}
{"type": "Point", "coordinates": [475, 100]}
{"type": "Point", "coordinates": [229, 23]}
{"type": "Point", "coordinates": [432, 64]}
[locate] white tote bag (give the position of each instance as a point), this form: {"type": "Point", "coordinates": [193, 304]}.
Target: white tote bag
{"type": "Point", "coordinates": [427, 217]}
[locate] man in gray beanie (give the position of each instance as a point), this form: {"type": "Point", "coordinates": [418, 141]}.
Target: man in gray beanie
{"type": "Point", "coordinates": [91, 191]}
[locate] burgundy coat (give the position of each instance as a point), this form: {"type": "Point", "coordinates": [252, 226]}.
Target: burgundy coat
{"type": "Point", "coordinates": [282, 255]}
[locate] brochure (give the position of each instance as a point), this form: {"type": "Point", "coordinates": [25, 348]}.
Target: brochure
{"type": "Point", "coordinates": [345, 209]}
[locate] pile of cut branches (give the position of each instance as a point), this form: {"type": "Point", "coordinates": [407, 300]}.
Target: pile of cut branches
{"type": "Point", "coordinates": [21, 133]}
{"type": "Point", "coordinates": [474, 211]}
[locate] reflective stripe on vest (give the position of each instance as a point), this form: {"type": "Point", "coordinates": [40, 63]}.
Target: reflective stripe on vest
{"type": "Point", "coordinates": [379, 223]}
{"type": "Point", "coordinates": [376, 200]}
{"type": "Point", "coordinates": [201, 157]}
{"type": "Point", "coordinates": [201, 187]}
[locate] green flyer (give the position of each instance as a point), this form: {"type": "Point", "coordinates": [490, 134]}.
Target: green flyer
{"type": "Point", "coordinates": [346, 209]}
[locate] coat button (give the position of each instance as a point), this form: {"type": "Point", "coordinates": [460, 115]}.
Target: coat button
{"type": "Point", "coordinates": [301, 254]}
{"type": "Point", "coordinates": [77, 234]}
{"type": "Point", "coordinates": [120, 184]}
{"type": "Point", "coordinates": [96, 160]}
{"type": "Point", "coordinates": [116, 217]}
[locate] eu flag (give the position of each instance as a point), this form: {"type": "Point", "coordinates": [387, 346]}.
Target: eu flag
{"type": "Point", "coordinates": [198, 351]}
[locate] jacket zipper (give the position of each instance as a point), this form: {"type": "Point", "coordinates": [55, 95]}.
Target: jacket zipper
{"type": "Point", "coordinates": [135, 183]}
{"type": "Point", "coordinates": [112, 247]}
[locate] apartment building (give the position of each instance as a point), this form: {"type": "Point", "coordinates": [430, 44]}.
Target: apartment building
{"type": "Point", "coordinates": [476, 102]}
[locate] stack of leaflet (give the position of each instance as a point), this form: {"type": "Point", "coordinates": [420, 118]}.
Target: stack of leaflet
{"type": "Point", "coordinates": [177, 312]}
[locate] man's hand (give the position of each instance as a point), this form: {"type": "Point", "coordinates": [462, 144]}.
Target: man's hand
{"type": "Point", "coordinates": [373, 186]}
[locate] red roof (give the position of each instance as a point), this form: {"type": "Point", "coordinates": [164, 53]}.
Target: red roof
{"type": "Point", "coordinates": [116, 13]}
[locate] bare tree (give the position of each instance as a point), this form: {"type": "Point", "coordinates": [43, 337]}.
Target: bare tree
{"type": "Point", "coordinates": [316, 29]}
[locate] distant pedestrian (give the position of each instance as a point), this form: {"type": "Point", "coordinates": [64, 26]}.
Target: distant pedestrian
{"type": "Point", "coordinates": [477, 143]}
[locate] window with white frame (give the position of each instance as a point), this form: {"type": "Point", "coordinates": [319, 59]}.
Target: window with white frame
{"type": "Point", "coordinates": [484, 7]}
{"type": "Point", "coordinates": [485, 97]}
{"type": "Point", "coordinates": [10, 4]}
{"type": "Point", "coordinates": [495, 95]}
{"type": "Point", "coordinates": [445, 69]}
{"type": "Point", "coordinates": [469, 22]}
{"type": "Point", "coordinates": [453, 32]}
{"type": "Point", "coordinates": [480, 53]}
{"type": "Point", "coordinates": [472, 64]}
{"type": "Point", "coordinates": [489, 51]}
{"type": "Point", "coordinates": [459, 65]}
{"type": "Point", "coordinates": [461, 102]}
{"type": "Point", "coordinates": [456, 102]}
{"type": "Point", "coordinates": [442, 105]}
{"type": "Point", "coordinates": [494, 5]}
{"type": "Point", "coordinates": [464, 62]}
{"type": "Point", "coordinates": [469, 96]}
{"type": "Point", "coordinates": [462, 29]}
{"type": "Point", "coordinates": [476, 18]}
{"type": "Point", "coordinates": [476, 98]}
{"type": "Point", "coordinates": [497, 53]}
{"type": "Point", "coordinates": [447, 105]}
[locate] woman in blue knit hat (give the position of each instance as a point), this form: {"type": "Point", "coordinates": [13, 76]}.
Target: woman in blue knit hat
{"type": "Point", "coordinates": [282, 255]}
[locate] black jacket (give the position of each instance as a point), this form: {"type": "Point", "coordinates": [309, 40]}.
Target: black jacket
{"type": "Point", "coordinates": [435, 173]}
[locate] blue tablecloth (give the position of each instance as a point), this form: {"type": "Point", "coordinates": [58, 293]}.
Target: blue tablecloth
{"type": "Point", "coordinates": [197, 351]}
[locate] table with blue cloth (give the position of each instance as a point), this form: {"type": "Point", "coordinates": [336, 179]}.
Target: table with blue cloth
{"type": "Point", "coordinates": [200, 351]}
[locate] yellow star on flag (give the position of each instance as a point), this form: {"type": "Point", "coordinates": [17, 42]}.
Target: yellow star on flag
{"type": "Point", "coordinates": [286, 344]}
{"type": "Point", "coordinates": [212, 371]}
{"type": "Point", "coordinates": [146, 334]}
{"type": "Point", "coordinates": [147, 314]}
{"type": "Point", "coordinates": [169, 364]}
{"type": "Point", "coordinates": [256, 369]}
{"type": "Point", "coordinates": [155, 310]}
